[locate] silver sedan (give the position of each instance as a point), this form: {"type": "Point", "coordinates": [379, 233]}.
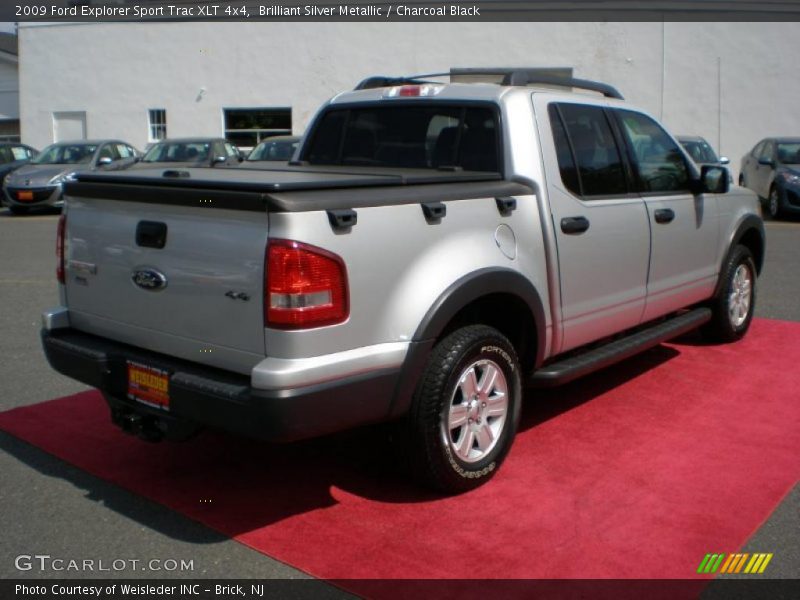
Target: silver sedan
{"type": "Point", "coordinates": [40, 182]}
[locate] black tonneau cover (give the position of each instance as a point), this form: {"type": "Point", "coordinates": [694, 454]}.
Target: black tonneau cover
{"type": "Point", "coordinates": [286, 188]}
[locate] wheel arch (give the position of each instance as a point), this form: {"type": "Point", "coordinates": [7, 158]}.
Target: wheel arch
{"type": "Point", "coordinates": [751, 233]}
{"type": "Point", "coordinates": [498, 297]}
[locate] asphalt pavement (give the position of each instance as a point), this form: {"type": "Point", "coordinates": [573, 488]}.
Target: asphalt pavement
{"type": "Point", "coordinates": [50, 507]}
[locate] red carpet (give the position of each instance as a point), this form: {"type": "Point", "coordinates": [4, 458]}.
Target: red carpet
{"type": "Point", "coordinates": [636, 472]}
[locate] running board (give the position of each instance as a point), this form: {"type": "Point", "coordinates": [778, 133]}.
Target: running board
{"type": "Point", "coordinates": [576, 366]}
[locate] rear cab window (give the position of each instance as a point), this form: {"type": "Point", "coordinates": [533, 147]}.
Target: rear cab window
{"type": "Point", "coordinates": [422, 136]}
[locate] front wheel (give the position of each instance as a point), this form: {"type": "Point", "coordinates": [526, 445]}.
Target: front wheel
{"type": "Point", "coordinates": [465, 410]}
{"type": "Point", "coordinates": [774, 203]}
{"type": "Point", "coordinates": [18, 210]}
{"type": "Point", "coordinates": [733, 307]}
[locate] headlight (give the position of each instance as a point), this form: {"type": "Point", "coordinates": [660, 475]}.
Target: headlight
{"type": "Point", "coordinates": [62, 178]}
{"type": "Point", "coordinates": [791, 178]}
{"type": "Point", "coordinates": [6, 180]}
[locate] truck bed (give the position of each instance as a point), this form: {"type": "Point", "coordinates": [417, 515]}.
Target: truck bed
{"type": "Point", "coordinates": [290, 189]}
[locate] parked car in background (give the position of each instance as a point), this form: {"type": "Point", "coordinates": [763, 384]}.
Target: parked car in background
{"type": "Point", "coordinates": [772, 170]}
{"type": "Point", "coordinates": [39, 183]}
{"type": "Point", "coordinates": [191, 152]}
{"type": "Point", "coordinates": [701, 151]}
{"type": "Point", "coordinates": [13, 156]}
{"type": "Point", "coordinates": [275, 149]}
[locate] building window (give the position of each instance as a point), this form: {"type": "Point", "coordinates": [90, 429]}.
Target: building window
{"type": "Point", "coordinates": [9, 130]}
{"type": "Point", "coordinates": [246, 127]}
{"type": "Point", "coordinates": [157, 118]}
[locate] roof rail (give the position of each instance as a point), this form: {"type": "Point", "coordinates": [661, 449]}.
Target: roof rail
{"type": "Point", "coordinates": [510, 77]}
{"type": "Point", "coordinates": [529, 77]}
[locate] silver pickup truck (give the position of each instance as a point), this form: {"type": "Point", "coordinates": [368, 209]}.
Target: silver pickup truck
{"type": "Point", "coordinates": [433, 249]}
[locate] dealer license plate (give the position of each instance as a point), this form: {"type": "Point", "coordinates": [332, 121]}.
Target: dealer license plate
{"type": "Point", "coordinates": [24, 195]}
{"type": "Point", "coordinates": [148, 385]}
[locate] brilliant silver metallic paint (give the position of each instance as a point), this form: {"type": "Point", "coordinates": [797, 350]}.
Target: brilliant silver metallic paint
{"type": "Point", "coordinates": [208, 253]}
{"type": "Point", "coordinates": [55, 318]}
{"type": "Point", "coordinates": [284, 373]}
{"type": "Point", "coordinates": [397, 263]}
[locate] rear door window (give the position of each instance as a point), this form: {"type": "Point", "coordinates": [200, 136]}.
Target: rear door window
{"type": "Point", "coordinates": [588, 155]}
{"type": "Point", "coordinates": [421, 137]}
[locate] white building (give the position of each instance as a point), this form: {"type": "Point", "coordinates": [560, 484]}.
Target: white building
{"type": "Point", "coordinates": [733, 83]}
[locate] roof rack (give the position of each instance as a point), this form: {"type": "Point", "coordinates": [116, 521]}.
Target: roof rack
{"type": "Point", "coordinates": [528, 78]}
{"type": "Point", "coordinates": [510, 77]}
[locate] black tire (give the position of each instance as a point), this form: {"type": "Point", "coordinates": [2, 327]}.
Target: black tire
{"type": "Point", "coordinates": [429, 442]}
{"type": "Point", "coordinates": [18, 210]}
{"type": "Point", "coordinates": [774, 203]}
{"type": "Point", "coordinates": [724, 326]}
{"type": "Point", "coordinates": [741, 180]}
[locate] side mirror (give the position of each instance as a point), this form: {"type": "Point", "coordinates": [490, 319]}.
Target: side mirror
{"type": "Point", "coordinates": [104, 161]}
{"type": "Point", "coordinates": [218, 159]}
{"type": "Point", "coordinates": [714, 180]}
{"type": "Point", "coordinates": [766, 161]}
{"type": "Point", "coordinates": [724, 160]}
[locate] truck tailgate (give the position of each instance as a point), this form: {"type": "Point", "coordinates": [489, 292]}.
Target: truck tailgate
{"type": "Point", "coordinates": [199, 297]}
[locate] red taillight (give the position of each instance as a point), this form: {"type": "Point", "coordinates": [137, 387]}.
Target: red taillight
{"type": "Point", "coordinates": [409, 91]}
{"type": "Point", "coordinates": [413, 91]}
{"type": "Point", "coordinates": [62, 226]}
{"type": "Point", "coordinates": [305, 286]}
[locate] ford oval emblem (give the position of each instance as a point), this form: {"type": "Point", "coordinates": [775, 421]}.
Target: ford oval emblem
{"type": "Point", "coordinates": [149, 279]}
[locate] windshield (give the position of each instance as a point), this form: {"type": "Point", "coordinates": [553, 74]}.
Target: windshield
{"type": "Point", "coordinates": [789, 153]}
{"type": "Point", "coordinates": [410, 136]}
{"type": "Point", "coordinates": [66, 154]}
{"type": "Point", "coordinates": [280, 150]}
{"type": "Point", "coordinates": [700, 151]}
{"type": "Point", "coordinates": [178, 152]}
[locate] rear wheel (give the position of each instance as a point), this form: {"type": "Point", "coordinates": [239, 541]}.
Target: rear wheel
{"type": "Point", "coordinates": [733, 307]}
{"type": "Point", "coordinates": [465, 410]}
